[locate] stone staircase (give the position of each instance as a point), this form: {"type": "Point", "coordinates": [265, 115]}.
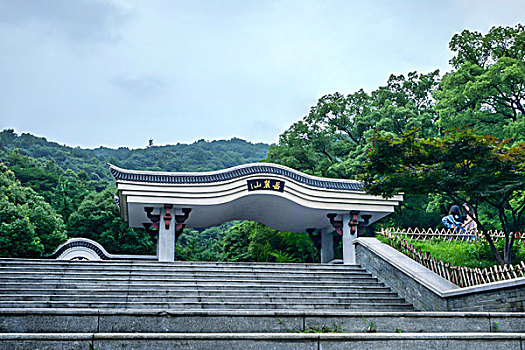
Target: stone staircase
{"type": "Point", "coordinates": [47, 304]}
{"type": "Point", "coordinates": [189, 286]}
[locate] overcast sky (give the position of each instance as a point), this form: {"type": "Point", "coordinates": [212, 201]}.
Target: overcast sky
{"type": "Point", "coordinates": [118, 72]}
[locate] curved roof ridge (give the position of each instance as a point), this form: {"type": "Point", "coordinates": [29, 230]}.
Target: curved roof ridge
{"type": "Point", "coordinates": [95, 247]}
{"type": "Point", "coordinates": [232, 173]}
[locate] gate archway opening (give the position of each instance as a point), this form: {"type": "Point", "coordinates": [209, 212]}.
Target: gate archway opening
{"type": "Point", "coordinates": [274, 195]}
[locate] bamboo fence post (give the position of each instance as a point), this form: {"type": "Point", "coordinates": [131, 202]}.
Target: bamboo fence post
{"type": "Point", "coordinates": [511, 269]}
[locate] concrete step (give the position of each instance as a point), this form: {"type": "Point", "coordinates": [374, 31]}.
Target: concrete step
{"type": "Point", "coordinates": [152, 288]}
{"type": "Point", "coordinates": [181, 268]}
{"type": "Point", "coordinates": [147, 305]}
{"type": "Point", "coordinates": [188, 281]}
{"type": "Point", "coordinates": [124, 297]}
{"type": "Point", "coordinates": [372, 292]}
{"type": "Point", "coordinates": [160, 341]}
{"type": "Point", "coordinates": [229, 321]}
{"type": "Point", "coordinates": [210, 286]}
{"type": "Point", "coordinates": [177, 275]}
{"type": "Point", "coordinates": [357, 305]}
{"type": "Point", "coordinates": [179, 264]}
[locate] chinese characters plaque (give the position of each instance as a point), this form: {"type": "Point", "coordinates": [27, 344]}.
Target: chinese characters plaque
{"type": "Point", "coordinates": [265, 184]}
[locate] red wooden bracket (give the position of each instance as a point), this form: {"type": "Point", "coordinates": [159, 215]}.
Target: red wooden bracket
{"type": "Point", "coordinates": [167, 218]}
{"type": "Point", "coordinates": [354, 223]}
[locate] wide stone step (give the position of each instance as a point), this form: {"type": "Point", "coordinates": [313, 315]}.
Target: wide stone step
{"type": "Point", "coordinates": [387, 305]}
{"type": "Point", "coordinates": [124, 297]}
{"type": "Point", "coordinates": [186, 275]}
{"type": "Point", "coordinates": [228, 321]}
{"type": "Point", "coordinates": [188, 281]}
{"type": "Point", "coordinates": [183, 269]}
{"type": "Point", "coordinates": [170, 265]}
{"type": "Point", "coordinates": [181, 292]}
{"type": "Point", "coordinates": [305, 341]}
{"type": "Point", "coordinates": [192, 286]}
{"type": "Point", "coordinates": [148, 287]}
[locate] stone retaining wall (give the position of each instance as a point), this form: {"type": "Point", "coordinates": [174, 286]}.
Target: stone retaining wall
{"type": "Point", "coordinates": [430, 292]}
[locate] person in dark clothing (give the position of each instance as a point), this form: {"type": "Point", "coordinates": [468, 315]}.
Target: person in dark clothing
{"type": "Point", "coordinates": [454, 219]}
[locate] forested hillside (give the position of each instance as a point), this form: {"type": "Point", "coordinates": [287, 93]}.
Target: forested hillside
{"type": "Point", "coordinates": [199, 156]}
{"type": "Point", "coordinates": [76, 190]}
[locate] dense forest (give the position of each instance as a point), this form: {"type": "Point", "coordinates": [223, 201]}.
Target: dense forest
{"type": "Point", "coordinates": [440, 139]}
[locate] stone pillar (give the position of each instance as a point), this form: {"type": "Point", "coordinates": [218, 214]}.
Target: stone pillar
{"type": "Point", "coordinates": [166, 242]}
{"type": "Point", "coordinates": [327, 246]}
{"type": "Point", "coordinates": [348, 242]}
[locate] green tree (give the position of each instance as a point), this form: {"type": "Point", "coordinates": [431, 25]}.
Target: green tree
{"type": "Point", "coordinates": [252, 241]}
{"type": "Point", "coordinates": [416, 211]}
{"type": "Point", "coordinates": [332, 139]}
{"type": "Point", "coordinates": [29, 227]}
{"type": "Point", "coordinates": [486, 88]}
{"type": "Point", "coordinates": [406, 103]}
{"type": "Point", "coordinates": [267, 244]}
{"type": "Point", "coordinates": [461, 165]}
{"type": "Point", "coordinates": [199, 156]}
{"type": "Point", "coordinates": [69, 192]}
{"type": "Point", "coordinates": [98, 218]}
{"type": "Point", "coordinates": [203, 244]}
{"type": "Point", "coordinates": [235, 244]}
{"type": "Point", "coordinates": [40, 176]}
{"type": "Point", "coordinates": [324, 142]}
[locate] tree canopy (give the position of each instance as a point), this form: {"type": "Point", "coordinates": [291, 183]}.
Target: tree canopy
{"type": "Point", "coordinates": [486, 88]}
{"type": "Point", "coordinates": [461, 165]}
{"type": "Point", "coordinates": [29, 227]}
{"type": "Point", "coordinates": [332, 139]}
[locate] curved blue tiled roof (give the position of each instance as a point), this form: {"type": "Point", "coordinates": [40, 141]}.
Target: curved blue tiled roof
{"type": "Point", "coordinates": [230, 174]}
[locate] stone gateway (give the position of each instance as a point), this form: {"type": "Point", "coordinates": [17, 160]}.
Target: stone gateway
{"type": "Point", "coordinates": [277, 196]}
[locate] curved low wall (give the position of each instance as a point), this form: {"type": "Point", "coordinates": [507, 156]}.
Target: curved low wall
{"type": "Point", "coordinates": [87, 249]}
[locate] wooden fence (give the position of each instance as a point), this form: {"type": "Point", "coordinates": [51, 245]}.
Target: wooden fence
{"type": "Point", "coordinates": [461, 276]}
{"type": "Point", "coordinates": [444, 233]}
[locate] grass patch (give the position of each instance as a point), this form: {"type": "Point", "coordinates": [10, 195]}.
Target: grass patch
{"type": "Point", "coordinates": [473, 254]}
{"type": "Point", "coordinates": [336, 328]}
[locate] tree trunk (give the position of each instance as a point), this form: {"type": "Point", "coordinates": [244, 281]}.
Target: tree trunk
{"type": "Point", "coordinates": [493, 248]}
{"type": "Point", "coordinates": [509, 238]}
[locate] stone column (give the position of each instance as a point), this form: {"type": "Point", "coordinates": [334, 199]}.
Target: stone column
{"type": "Point", "coordinates": [348, 242]}
{"type": "Point", "coordinates": [327, 246]}
{"type": "Point", "coordinates": [166, 242]}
